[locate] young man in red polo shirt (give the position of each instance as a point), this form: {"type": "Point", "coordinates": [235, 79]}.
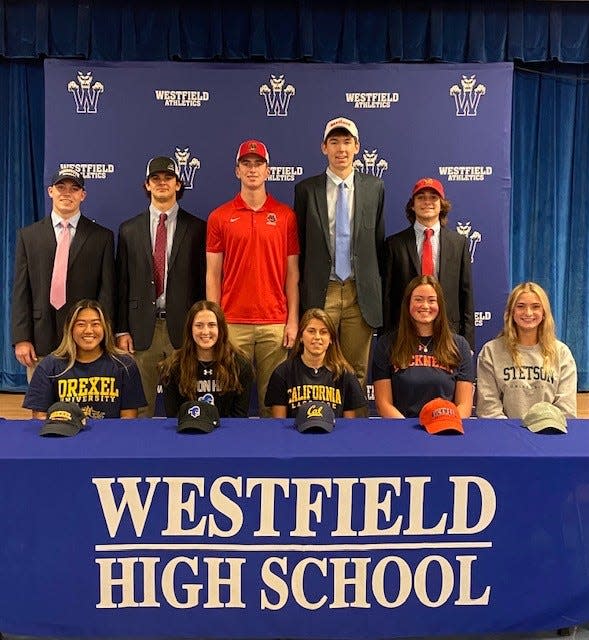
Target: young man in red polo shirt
{"type": "Point", "coordinates": [253, 266]}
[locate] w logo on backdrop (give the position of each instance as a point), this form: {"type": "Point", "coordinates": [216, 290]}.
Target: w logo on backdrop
{"type": "Point", "coordinates": [467, 96]}
{"type": "Point", "coordinates": [276, 96]}
{"type": "Point", "coordinates": [187, 166]}
{"type": "Point", "coordinates": [85, 93]}
{"type": "Point", "coordinates": [371, 164]}
{"type": "Point", "coordinates": [474, 236]}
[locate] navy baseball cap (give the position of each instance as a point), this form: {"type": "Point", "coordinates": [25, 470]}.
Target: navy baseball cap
{"type": "Point", "coordinates": [63, 419]}
{"type": "Point", "coordinates": [315, 417]}
{"type": "Point", "coordinates": [67, 173]}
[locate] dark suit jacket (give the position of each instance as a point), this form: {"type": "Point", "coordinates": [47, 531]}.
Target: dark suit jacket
{"type": "Point", "coordinates": [90, 275]}
{"type": "Point", "coordinates": [454, 275]}
{"type": "Point", "coordinates": [136, 289]}
{"type": "Point", "coordinates": [316, 258]}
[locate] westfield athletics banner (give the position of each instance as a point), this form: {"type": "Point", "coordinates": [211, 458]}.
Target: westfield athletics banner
{"type": "Point", "coordinates": [451, 122]}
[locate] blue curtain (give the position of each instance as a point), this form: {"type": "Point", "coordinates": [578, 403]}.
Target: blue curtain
{"type": "Point", "coordinates": [547, 41]}
{"type": "Point", "coordinates": [550, 200]}
{"type": "Point", "coordinates": [21, 186]}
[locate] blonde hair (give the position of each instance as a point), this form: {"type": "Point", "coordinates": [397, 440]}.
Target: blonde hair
{"type": "Point", "coordinates": [545, 330]}
{"type": "Point", "coordinates": [68, 349]}
{"type": "Point", "coordinates": [334, 358]}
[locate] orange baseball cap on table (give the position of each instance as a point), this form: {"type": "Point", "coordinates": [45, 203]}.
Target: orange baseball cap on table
{"type": "Point", "coordinates": [440, 415]}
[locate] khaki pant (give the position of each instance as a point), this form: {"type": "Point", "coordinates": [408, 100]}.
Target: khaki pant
{"type": "Point", "coordinates": [262, 343]}
{"type": "Point", "coordinates": [355, 335]}
{"type": "Point", "coordinates": [147, 363]}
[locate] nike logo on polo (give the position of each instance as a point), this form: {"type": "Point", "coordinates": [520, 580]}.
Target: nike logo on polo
{"type": "Point", "coordinates": [234, 219]}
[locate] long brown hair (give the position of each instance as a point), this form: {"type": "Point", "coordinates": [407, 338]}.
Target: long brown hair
{"type": "Point", "coordinates": [68, 349]}
{"type": "Point", "coordinates": [407, 340]}
{"type": "Point", "coordinates": [546, 330]}
{"type": "Point", "coordinates": [183, 362]}
{"type": "Point", "coordinates": [334, 358]}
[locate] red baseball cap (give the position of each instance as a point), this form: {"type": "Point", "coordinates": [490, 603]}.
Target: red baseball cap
{"type": "Point", "coordinates": [254, 147]}
{"type": "Point", "coordinates": [440, 415]}
{"type": "Point", "coordinates": [429, 183]}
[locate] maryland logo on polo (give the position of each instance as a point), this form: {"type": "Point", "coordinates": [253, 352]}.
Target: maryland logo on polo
{"type": "Point", "coordinates": [371, 164]}
{"type": "Point", "coordinates": [467, 96]}
{"type": "Point", "coordinates": [187, 166]}
{"type": "Point", "coordinates": [85, 93]}
{"type": "Point", "coordinates": [277, 96]}
{"type": "Point", "coordinates": [474, 236]}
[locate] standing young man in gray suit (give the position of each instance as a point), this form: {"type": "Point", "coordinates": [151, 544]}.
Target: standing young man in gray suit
{"type": "Point", "coordinates": [427, 209]}
{"type": "Point", "coordinates": [341, 234]}
{"type": "Point", "coordinates": [88, 271]}
{"type": "Point", "coordinates": [160, 274]}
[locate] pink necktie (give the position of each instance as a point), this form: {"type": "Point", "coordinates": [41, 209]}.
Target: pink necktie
{"type": "Point", "coordinates": [59, 276]}
{"type": "Point", "coordinates": [427, 258]}
{"type": "Point", "coordinates": [159, 254]}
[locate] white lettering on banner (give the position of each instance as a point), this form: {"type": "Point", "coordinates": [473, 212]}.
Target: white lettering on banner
{"type": "Point", "coordinates": [399, 510]}
{"type": "Point", "coordinates": [181, 97]}
{"type": "Point", "coordinates": [285, 174]}
{"type": "Point", "coordinates": [372, 100]}
{"type": "Point", "coordinates": [344, 582]}
{"type": "Point", "coordinates": [378, 511]}
{"type": "Point", "coordinates": [90, 170]}
{"type": "Point", "coordinates": [466, 173]}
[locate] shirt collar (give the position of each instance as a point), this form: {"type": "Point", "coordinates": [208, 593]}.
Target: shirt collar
{"type": "Point", "coordinates": [419, 228]}
{"type": "Point", "coordinates": [349, 181]}
{"type": "Point", "coordinates": [172, 211]}
{"type": "Point", "coordinates": [73, 221]}
{"type": "Point", "coordinates": [240, 203]}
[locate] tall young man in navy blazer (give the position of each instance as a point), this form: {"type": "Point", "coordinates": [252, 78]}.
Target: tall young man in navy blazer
{"type": "Point", "coordinates": [37, 325]}
{"type": "Point", "coordinates": [354, 299]}
{"type": "Point", "coordinates": [148, 325]}
{"type": "Point", "coordinates": [428, 208]}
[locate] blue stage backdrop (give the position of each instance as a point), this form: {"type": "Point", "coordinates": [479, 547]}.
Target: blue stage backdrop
{"type": "Point", "coordinates": [451, 122]}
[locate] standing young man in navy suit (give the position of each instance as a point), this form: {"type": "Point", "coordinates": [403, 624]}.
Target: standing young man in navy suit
{"type": "Point", "coordinates": [341, 234]}
{"type": "Point", "coordinates": [160, 274]}
{"type": "Point", "coordinates": [426, 209]}
{"type": "Point", "coordinates": [37, 322]}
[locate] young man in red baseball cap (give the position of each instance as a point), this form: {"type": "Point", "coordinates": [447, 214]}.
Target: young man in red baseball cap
{"type": "Point", "coordinates": [428, 247]}
{"type": "Point", "coordinates": [253, 266]}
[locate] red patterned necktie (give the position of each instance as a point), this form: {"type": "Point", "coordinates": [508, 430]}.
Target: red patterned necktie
{"type": "Point", "coordinates": [427, 257]}
{"type": "Point", "coordinates": [159, 254]}
{"type": "Point", "coordinates": [59, 275]}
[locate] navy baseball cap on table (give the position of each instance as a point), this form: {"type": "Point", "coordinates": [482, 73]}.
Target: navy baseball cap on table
{"type": "Point", "coordinates": [63, 419]}
{"type": "Point", "coordinates": [315, 417]}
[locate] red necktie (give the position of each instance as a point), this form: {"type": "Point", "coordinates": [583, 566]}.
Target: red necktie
{"type": "Point", "coordinates": [59, 275]}
{"type": "Point", "coordinates": [159, 254]}
{"type": "Point", "coordinates": [427, 257]}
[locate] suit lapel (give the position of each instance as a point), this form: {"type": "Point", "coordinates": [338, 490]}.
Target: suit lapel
{"type": "Point", "coordinates": [82, 233]}
{"type": "Point", "coordinates": [181, 226]}
{"type": "Point", "coordinates": [321, 205]}
{"type": "Point", "coordinates": [145, 236]}
{"type": "Point", "coordinates": [358, 206]}
{"type": "Point", "coordinates": [411, 246]}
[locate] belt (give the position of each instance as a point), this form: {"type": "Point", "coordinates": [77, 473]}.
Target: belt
{"type": "Point", "coordinates": [160, 314]}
